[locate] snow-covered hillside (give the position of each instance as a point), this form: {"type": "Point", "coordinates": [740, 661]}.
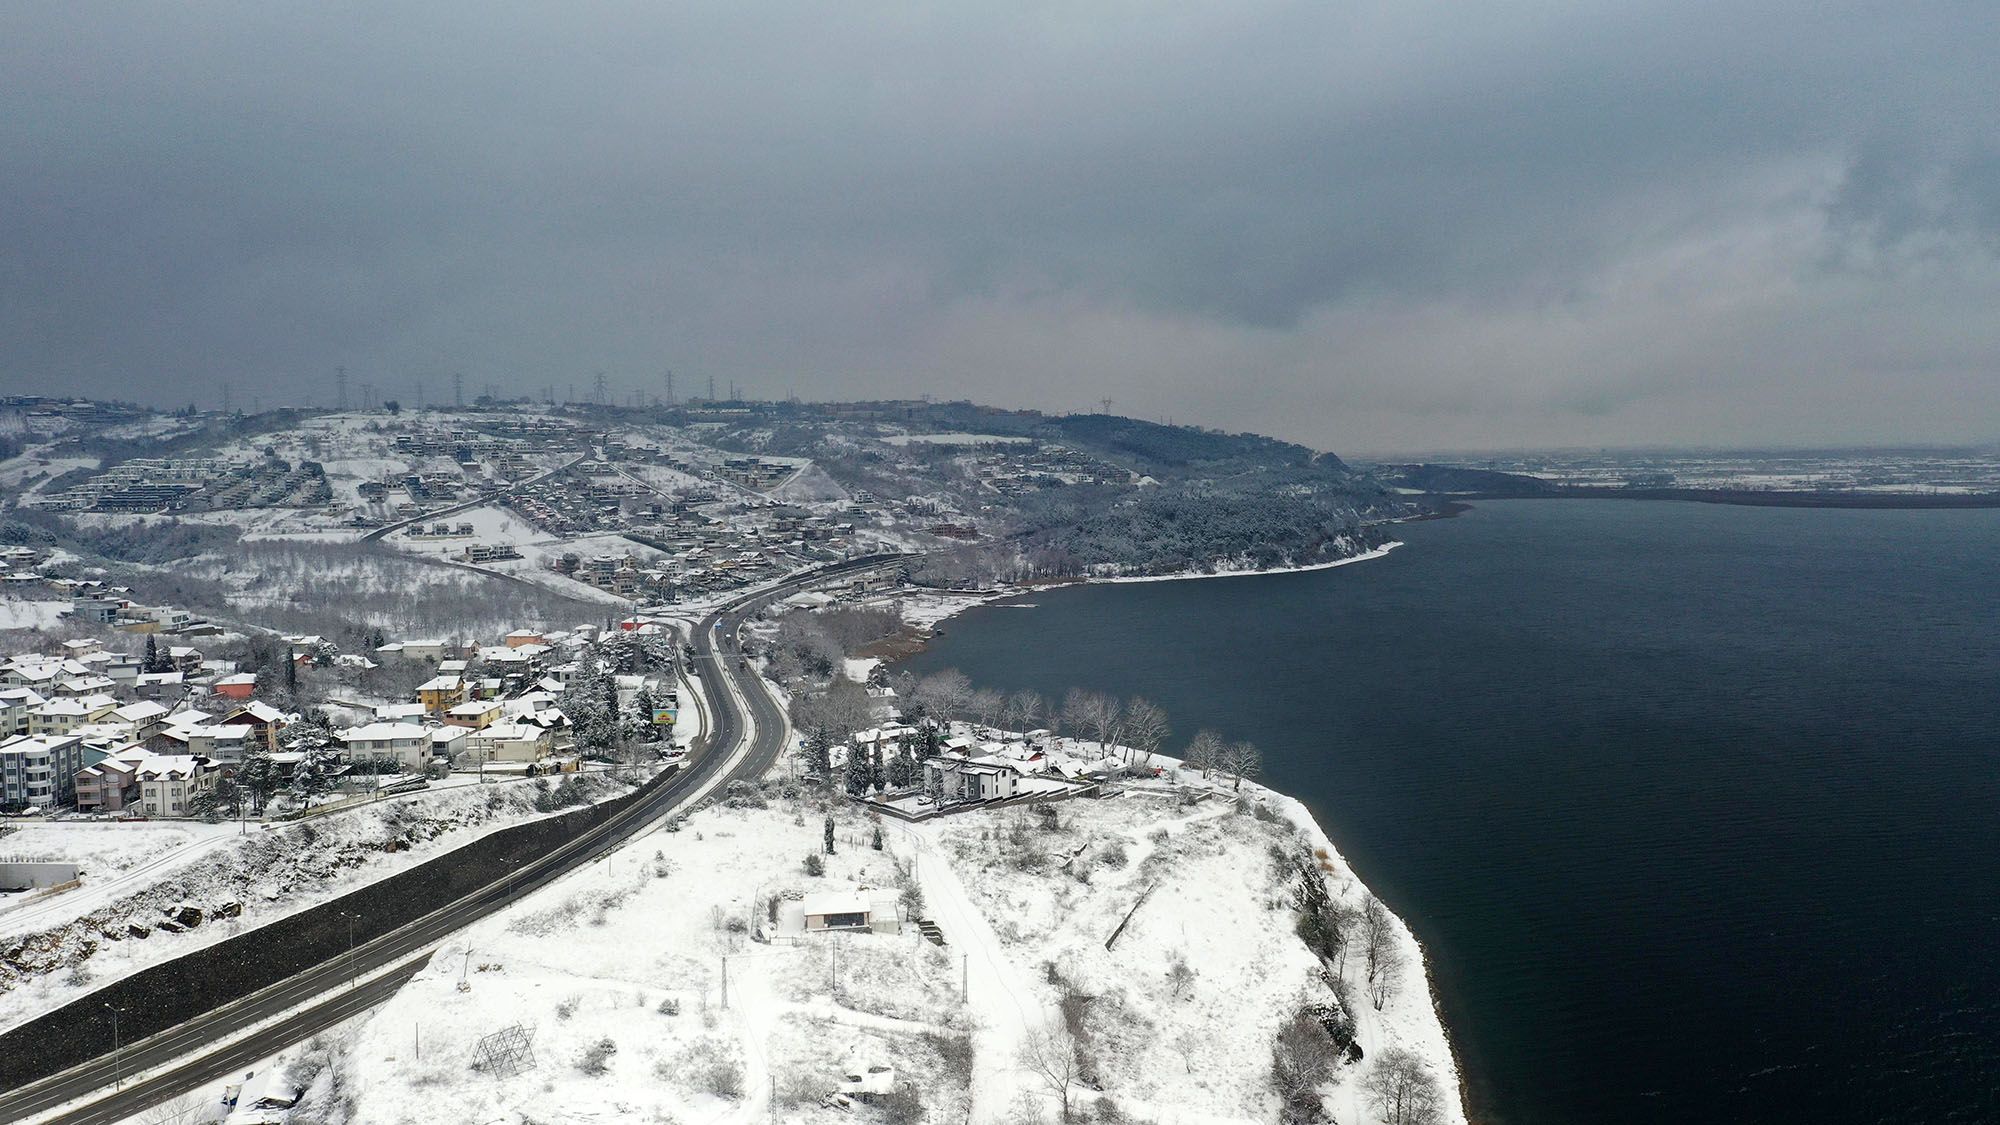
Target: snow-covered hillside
{"type": "Point", "coordinates": [616, 975]}
{"type": "Point", "coordinates": [237, 882]}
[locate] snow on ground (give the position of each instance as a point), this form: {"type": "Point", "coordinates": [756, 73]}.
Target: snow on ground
{"type": "Point", "coordinates": [591, 966]}
{"type": "Point", "coordinates": [1229, 571]}
{"type": "Point", "coordinates": [272, 872]}
{"type": "Point", "coordinates": [594, 965]}
{"type": "Point", "coordinates": [102, 847]}
{"type": "Point", "coordinates": [1166, 1047]}
{"type": "Point", "coordinates": [16, 613]}
{"type": "Point", "coordinates": [924, 611]}
{"type": "Point", "coordinates": [117, 860]}
{"type": "Point", "coordinates": [18, 469]}
{"type": "Point", "coordinates": [955, 439]}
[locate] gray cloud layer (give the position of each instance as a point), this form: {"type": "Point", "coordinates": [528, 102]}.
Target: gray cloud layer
{"type": "Point", "coordinates": [1363, 226]}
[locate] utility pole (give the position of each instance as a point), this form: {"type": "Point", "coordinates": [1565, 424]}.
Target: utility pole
{"type": "Point", "coordinates": [1106, 403]}
{"type": "Point", "coordinates": [458, 388]}
{"type": "Point", "coordinates": [725, 980]}
{"type": "Point", "coordinates": [340, 382]}
{"type": "Point", "coordinates": [670, 386]}
{"type": "Point", "coordinates": [600, 389]}
{"type": "Point", "coordinates": [711, 388]}
{"type": "Point", "coordinates": [117, 1049]}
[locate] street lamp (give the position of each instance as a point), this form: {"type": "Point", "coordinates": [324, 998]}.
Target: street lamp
{"type": "Point", "coordinates": [117, 1055]}
{"type": "Point", "coordinates": [351, 979]}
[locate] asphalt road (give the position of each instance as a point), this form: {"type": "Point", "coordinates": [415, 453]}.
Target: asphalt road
{"type": "Point", "coordinates": [725, 678]}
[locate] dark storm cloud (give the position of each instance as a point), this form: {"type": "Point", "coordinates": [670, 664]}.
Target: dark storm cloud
{"type": "Point", "coordinates": [1356, 225]}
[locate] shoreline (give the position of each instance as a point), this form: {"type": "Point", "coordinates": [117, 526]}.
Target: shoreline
{"type": "Point", "coordinates": [1187, 576]}
{"type": "Point", "coordinates": [920, 628]}
{"type": "Point", "coordinates": [1423, 1025]}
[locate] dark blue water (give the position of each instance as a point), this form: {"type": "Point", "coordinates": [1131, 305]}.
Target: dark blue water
{"type": "Point", "coordinates": [1696, 808]}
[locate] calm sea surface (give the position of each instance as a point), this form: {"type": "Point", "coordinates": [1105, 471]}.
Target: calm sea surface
{"type": "Point", "coordinates": [1695, 808]}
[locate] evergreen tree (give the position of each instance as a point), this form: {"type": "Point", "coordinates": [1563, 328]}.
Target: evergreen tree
{"type": "Point", "coordinates": [903, 769]}
{"type": "Point", "coordinates": [829, 834]}
{"type": "Point", "coordinates": [259, 777]}
{"type": "Point", "coordinates": [151, 662]}
{"type": "Point", "coordinates": [819, 755]}
{"type": "Point", "coordinates": [858, 775]}
{"type": "Point", "coordinates": [642, 714]}
{"type": "Point", "coordinates": [876, 778]}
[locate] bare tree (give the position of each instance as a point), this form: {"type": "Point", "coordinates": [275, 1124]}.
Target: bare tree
{"type": "Point", "coordinates": [1387, 974]}
{"type": "Point", "coordinates": [1050, 1054]}
{"type": "Point", "coordinates": [1241, 760]}
{"type": "Point", "coordinates": [1400, 1089]}
{"type": "Point", "coordinates": [1076, 710]}
{"type": "Point", "coordinates": [1203, 750]}
{"type": "Point", "coordinates": [1180, 975]}
{"type": "Point", "coordinates": [1377, 934]}
{"type": "Point", "coordinates": [1145, 728]}
{"type": "Point", "coordinates": [1302, 1060]}
{"type": "Point", "coordinates": [1027, 707]}
{"type": "Point", "coordinates": [1106, 720]}
{"type": "Point", "coordinates": [945, 694]}
{"type": "Point", "coordinates": [986, 705]}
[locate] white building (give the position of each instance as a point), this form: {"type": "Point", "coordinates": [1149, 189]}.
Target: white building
{"type": "Point", "coordinates": [407, 744]}
{"type": "Point", "coordinates": [169, 783]}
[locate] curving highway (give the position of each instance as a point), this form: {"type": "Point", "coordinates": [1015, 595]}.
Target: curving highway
{"type": "Point", "coordinates": [746, 734]}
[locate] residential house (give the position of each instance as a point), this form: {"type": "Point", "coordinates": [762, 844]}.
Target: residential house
{"type": "Point", "coordinates": [264, 721]}
{"type": "Point", "coordinates": [145, 717]}
{"type": "Point", "coordinates": [401, 713]}
{"type": "Point", "coordinates": [854, 908]}
{"type": "Point", "coordinates": [15, 705]}
{"type": "Point", "coordinates": [238, 687]}
{"type": "Point", "coordinates": [477, 714]}
{"type": "Point", "coordinates": [111, 785]}
{"type": "Point", "coordinates": [63, 716]}
{"type": "Point", "coordinates": [169, 784]}
{"type": "Point", "coordinates": [161, 685]}
{"type": "Point", "coordinates": [441, 693]}
{"type": "Point", "coordinates": [510, 742]}
{"type": "Point", "coordinates": [959, 778]}
{"type": "Point", "coordinates": [425, 650]}
{"type": "Point", "coordinates": [408, 745]}
{"type": "Point", "coordinates": [520, 637]}
{"type": "Point", "coordinates": [224, 744]}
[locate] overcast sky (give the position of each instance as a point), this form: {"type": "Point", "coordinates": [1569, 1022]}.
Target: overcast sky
{"type": "Point", "coordinates": [1370, 227]}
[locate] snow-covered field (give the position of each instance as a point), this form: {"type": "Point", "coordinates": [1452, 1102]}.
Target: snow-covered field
{"type": "Point", "coordinates": [17, 613]}
{"type": "Point", "coordinates": [1168, 1046]}
{"type": "Point", "coordinates": [591, 968]}
{"type": "Point", "coordinates": [591, 965]}
{"type": "Point", "coordinates": [270, 873]}
{"type": "Point", "coordinates": [102, 847]}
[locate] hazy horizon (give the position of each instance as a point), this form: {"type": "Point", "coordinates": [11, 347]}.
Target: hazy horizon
{"type": "Point", "coordinates": [1372, 228]}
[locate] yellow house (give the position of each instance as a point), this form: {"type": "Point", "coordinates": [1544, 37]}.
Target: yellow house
{"type": "Point", "coordinates": [441, 694]}
{"type": "Point", "coordinates": [477, 714]}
